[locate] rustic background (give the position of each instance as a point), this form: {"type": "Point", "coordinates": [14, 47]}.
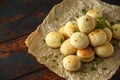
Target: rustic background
{"type": "Point", "coordinates": [18, 18]}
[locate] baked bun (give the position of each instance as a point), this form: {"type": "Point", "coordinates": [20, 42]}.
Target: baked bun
{"type": "Point", "coordinates": [79, 40]}
{"type": "Point", "coordinates": [87, 59]}
{"type": "Point", "coordinates": [54, 39]}
{"type": "Point", "coordinates": [108, 34]}
{"type": "Point", "coordinates": [71, 63]}
{"type": "Point", "coordinates": [71, 27]}
{"type": "Point", "coordinates": [67, 49]}
{"type": "Point", "coordinates": [105, 50]}
{"type": "Point", "coordinates": [116, 31]}
{"type": "Point", "coordinates": [95, 13]}
{"type": "Point", "coordinates": [86, 55]}
{"type": "Point", "coordinates": [62, 31]}
{"type": "Point", "coordinates": [97, 37]}
{"type": "Point", "coordinates": [86, 24]}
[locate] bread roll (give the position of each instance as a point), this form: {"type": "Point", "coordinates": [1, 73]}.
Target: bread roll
{"type": "Point", "coordinates": [86, 24]}
{"type": "Point", "coordinates": [116, 31]}
{"type": "Point", "coordinates": [71, 63]}
{"type": "Point", "coordinates": [79, 40]}
{"type": "Point", "coordinates": [105, 50]}
{"type": "Point", "coordinates": [67, 49]}
{"type": "Point", "coordinates": [97, 37]}
{"type": "Point", "coordinates": [95, 13]}
{"type": "Point", "coordinates": [108, 34]}
{"type": "Point", "coordinates": [71, 27]}
{"type": "Point", "coordinates": [87, 59]}
{"type": "Point", "coordinates": [62, 31]}
{"type": "Point", "coordinates": [86, 55]}
{"type": "Point", "coordinates": [54, 39]}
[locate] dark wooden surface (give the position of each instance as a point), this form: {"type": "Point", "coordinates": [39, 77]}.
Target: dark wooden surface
{"type": "Point", "coordinates": [17, 19]}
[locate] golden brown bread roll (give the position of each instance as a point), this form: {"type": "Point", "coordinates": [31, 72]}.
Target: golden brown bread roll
{"type": "Point", "coordinates": [97, 37]}
{"type": "Point", "coordinates": [71, 27]}
{"type": "Point", "coordinates": [79, 40]}
{"type": "Point", "coordinates": [54, 39]}
{"type": "Point", "coordinates": [62, 31]}
{"type": "Point", "coordinates": [116, 31]}
{"type": "Point", "coordinates": [105, 50]}
{"type": "Point", "coordinates": [71, 63]}
{"type": "Point", "coordinates": [67, 49]}
{"type": "Point", "coordinates": [108, 34]}
{"type": "Point", "coordinates": [86, 55]}
{"type": "Point", "coordinates": [95, 13]}
{"type": "Point", "coordinates": [86, 24]}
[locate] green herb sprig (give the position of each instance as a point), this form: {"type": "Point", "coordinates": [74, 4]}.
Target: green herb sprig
{"type": "Point", "coordinates": [93, 68]}
{"type": "Point", "coordinates": [101, 23]}
{"type": "Point", "coordinates": [44, 40]}
{"type": "Point", "coordinates": [75, 31]}
{"type": "Point", "coordinates": [104, 68]}
{"type": "Point", "coordinates": [84, 11]}
{"type": "Point", "coordinates": [61, 40]}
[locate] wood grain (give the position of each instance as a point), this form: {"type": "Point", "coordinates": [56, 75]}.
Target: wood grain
{"type": "Point", "coordinates": [24, 17]}
{"type": "Point", "coordinates": [45, 74]}
{"type": "Point", "coordinates": [18, 63]}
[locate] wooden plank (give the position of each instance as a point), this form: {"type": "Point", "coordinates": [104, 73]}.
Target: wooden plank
{"type": "Point", "coordinates": [13, 45]}
{"type": "Point", "coordinates": [41, 75]}
{"type": "Point", "coordinates": [13, 48]}
{"type": "Point", "coordinates": [23, 19]}
{"type": "Point", "coordinates": [2, 3]}
{"type": "Point", "coordinates": [49, 75]}
{"type": "Point", "coordinates": [18, 64]}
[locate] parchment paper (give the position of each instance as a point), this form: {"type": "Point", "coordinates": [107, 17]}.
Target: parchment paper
{"type": "Point", "coordinates": [52, 58]}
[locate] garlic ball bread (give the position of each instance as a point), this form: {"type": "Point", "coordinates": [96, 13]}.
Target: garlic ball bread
{"type": "Point", "coordinates": [86, 55]}
{"type": "Point", "coordinates": [71, 63]}
{"type": "Point", "coordinates": [86, 24]}
{"type": "Point", "coordinates": [97, 37]}
{"type": "Point", "coordinates": [62, 31]}
{"type": "Point", "coordinates": [67, 49]}
{"type": "Point", "coordinates": [71, 27]}
{"type": "Point", "coordinates": [116, 31]}
{"type": "Point", "coordinates": [54, 39]}
{"type": "Point", "coordinates": [108, 34]}
{"type": "Point", "coordinates": [105, 50]}
{"type": "Point", "coordinates": [79, 40]}
{"type": "Point", "coordinates": [95, 13]}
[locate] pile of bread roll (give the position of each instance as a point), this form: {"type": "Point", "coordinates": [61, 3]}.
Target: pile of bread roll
{"type": "Point", "coordinates": [80, 40]}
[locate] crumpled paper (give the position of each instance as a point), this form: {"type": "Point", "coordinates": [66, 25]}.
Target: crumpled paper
{"type": "Point", "coordinates": [52, 58]}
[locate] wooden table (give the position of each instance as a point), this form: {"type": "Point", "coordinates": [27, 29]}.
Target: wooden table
{"type": "Point", "coordinates": [18, 18]}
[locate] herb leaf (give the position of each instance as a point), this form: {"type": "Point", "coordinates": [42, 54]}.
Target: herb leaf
{"type": "Point", "coordinates": [97, 60]}
{"type": "Point", "coordinates": [44, 40]}
{"type": "Point", "coordinates": [75, 31]}
{"type": "Point", "coordinates": [61, 40]}
{"type": "Point", "coordinates": [87, 19]}
{"type": "Point", "coordinates": [99, 26]}
{"type": "Point", "coordinates": [104, 68]}
{"type": "Point", "coordinates": [101, 23]}
{"type": "Point", "coordinates": [84, 11]}
{"type": "Point", "coordinates": [73, 22]}
{"type": "Point", "coordinates": [93, 68]}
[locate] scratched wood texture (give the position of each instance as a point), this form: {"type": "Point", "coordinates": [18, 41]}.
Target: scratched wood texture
{"type": "Point", "coordinates": [17, 19]}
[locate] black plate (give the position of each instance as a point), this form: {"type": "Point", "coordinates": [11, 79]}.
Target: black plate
{"type": "Point", "coordinates": [115, 2]}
